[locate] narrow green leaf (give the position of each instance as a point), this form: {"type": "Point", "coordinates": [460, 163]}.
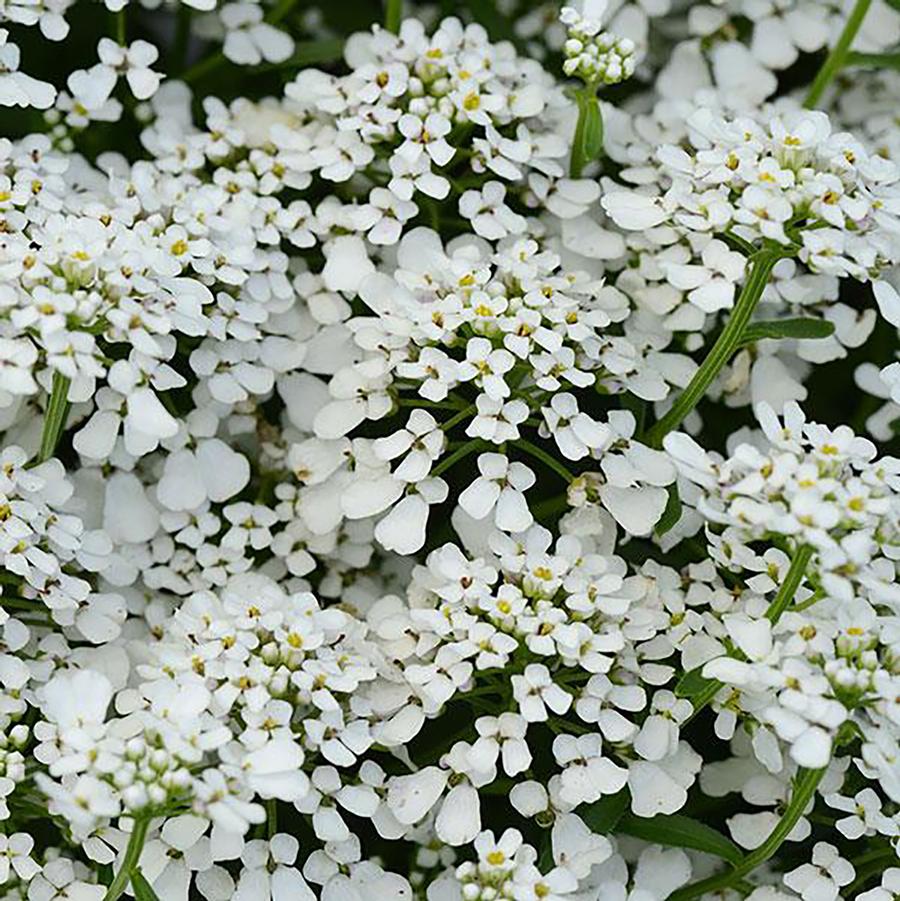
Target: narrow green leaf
{"type": "Point", "coordinates": [54, 416]}
{"type": "Point", "coordinates": [587, 144]}
{"type": "Point", "coordinates": [681, 832]}
{"type": "Point", "coordinates": [691, 683]}
{"type": "Point", "coordinates": [672, 512]}
{"type": "Point", "coordinates": [592, 138]}
{"type": "Point", "coordinates": [787, 328]}
{"type": "Point", "coordinates": [545, 855]}
{"type": "Point", "coordinates": [143, 891]}
{"type": "Point", "coordinates": [602, 816]}
{"type": "Point", "coordinates": [876, 60]}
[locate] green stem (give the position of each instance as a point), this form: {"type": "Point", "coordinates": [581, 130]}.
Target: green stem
{"type": "Point", "coordinates": [130, 861]}
{"type": "Point", "coordinates": [761, 268]}
{"type": "Point", "coordinates": [458, 418]}
{"type": "Point", "coordinates": [838, 56]}
{"type": "Point", "coordinates": [540, 454]}
{"type": "Point", "coordinates": [121, 28]}
{"type": "Point", "coordinates": [780, 603]}
{"type": "Point", "coordinates": [430, 404]}
{"type": "Point", "coordinates": [470, 447]}
{"type": "Point", "coordinates": [791, 583]}
{"type": "Point", "coordinates": [392, 15]}
{"type": "Point", "coordinates": [805, 784]}
{"type": "Point", "coordinates": [55, 415]}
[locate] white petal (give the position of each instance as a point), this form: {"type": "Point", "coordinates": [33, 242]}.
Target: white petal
{"type": "Point", "coordinates": [637, 510]}
{"type": "Point", "coordinates": [143, 82]}
{"type": "Point", "coordinates": [128, 516]}
{"type": "Point", "coordinates": [98, 437]}
{"type": "Point", "coordinates": [459, 820]}
{"type": "Point", "coordinates": [148, 415]}
{"type": "Point", "coordinates": [224, 471]}
{"type": "Point", "coordinates": [181, 486]}
{"type": "Point", "coordinates": [403, 529]}
{"type": "Point", "coordinates": [368, 497]}
{"type": "Point", "coordinates": [347, 264]}
{"type": "Point", "coordinates": [888, 301]}
{"type": "Point", "coordinates": [479, 498]}
{"type": "Point", "coordinates": [411, 797]}
{"type": "Point", "coordinates": [512, 513]}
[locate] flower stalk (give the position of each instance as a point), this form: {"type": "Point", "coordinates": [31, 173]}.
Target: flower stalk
{"type": "Point", "coordinates": [779, 604]}
{"type": "Point", "coordinates": [393, 14]}
{"type": "Point", "coordinates": [728, 341]}
{"type": "Point", "coordinates": [130, 860]}
{"type": "Point", "coordinates": [805, 784]}
{"type": "Point", "coordinates": [838, 57]}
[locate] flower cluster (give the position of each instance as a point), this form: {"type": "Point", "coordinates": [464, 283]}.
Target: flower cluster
{"type": "Point", "coordinates": [596, 58]}
{"type": "Point", "coordinates": [422, 471]}
{"type": "Point", "coordinates": [807, 668]}
{"type": "Point", "coordinates": [788, 181]}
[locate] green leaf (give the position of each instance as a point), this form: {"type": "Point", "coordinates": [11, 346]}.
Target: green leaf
{"type": "Point", "coordinates": [143, 891]}
{"type": "Point", "coordinates": [602, 816]}
{"type": "Point", "coordinates": [681, 832]}
{"type": "Point", "coordinates": [587, 144]}
{"type": "Point", "coordinates": [787, 328]}
{"type": "Point", "coordinates": [691, 683]}
{"type": "Point", "coordinates": [54, 416]}
{"type": "Point", "coordinates": [672, 512]}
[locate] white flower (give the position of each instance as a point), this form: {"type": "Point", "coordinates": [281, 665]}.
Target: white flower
{"type": "Point", "coordinates": [491, 217]}
{"type": "Point", "coordinates": [135, 60]}
{"type": "Point", "coordinates": [273, 771]}
{"type": "Point", "coordinates": [15, 857]}
{"type": "Point", "coordinates": [633, 211]}
{"type": "Point", "coordinates": [403, 530]}
{"type": "Point", "coordinates": [77, 701]}
{"type": "Point", "coordinates": [17, 88]}
{"type": "Point", "coordinates": [213, 471]}
{"type": "Point", "coordinates": [661, 787]}
{"type": "Point", "coordinates": [822, 879]}
{"type": "Point", "coordinates": [535, 691]}
{"type": "Point", "coordinates": [249, 40]}
{"type": "Point", "coordinates": [587, 774]}
{"type": "Point", "coordinates": [500, 489]}
{"type": "Point", "coordinates": [575, 433]}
